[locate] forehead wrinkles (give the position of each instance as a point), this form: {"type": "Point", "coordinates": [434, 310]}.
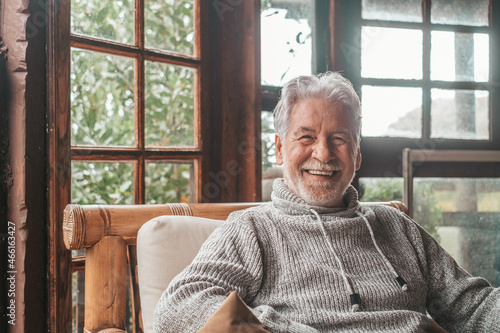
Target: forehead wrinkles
{"type": "Point", "coordinates": [304, 129]}
{"type": "Point", "coordinates": [320, 107]}
{"type": "Point", "coordinates": [306, 112]}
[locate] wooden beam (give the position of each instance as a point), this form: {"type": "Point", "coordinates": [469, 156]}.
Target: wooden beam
{"type": "Point", "coordinates": [106, 285]}
{"type": "Point", "coordinates": [59, 163]}
{"type": "Point", "coordinates": [84, 226]}
{"type": "Point", "coordinates": [231, 102]}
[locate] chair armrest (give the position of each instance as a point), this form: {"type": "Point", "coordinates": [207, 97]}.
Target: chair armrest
{"type": "Point", "coordinates": [84, 226]}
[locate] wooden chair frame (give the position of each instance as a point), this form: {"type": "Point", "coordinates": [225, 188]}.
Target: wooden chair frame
{"type": "Point", "coordinates": [106, 231]}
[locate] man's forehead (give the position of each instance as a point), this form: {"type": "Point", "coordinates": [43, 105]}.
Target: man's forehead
{"type": "Point", "coordinates": [302, 129]}
{"type": "Point", "coordinates": [305, 108]}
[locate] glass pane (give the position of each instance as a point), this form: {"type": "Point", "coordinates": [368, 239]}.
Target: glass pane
{"type": "Point", "coordinates": [391, 53]}
{"type": "Point", "coordinates": [113, 20]}
{"type": "Point", "coordinates": [270, 170]}
{"type": "Point", "coordinates": [465, 12]}
{"type": "Point", "coordinates": [169, 25]}
{"type": "Point", "coordinates": [373, 189]}
{"type": "Point", "coordinates": [169, 105]}
{"type": "Point", "coordinates": [78, 300]}
{"type": "Point", "coordinates": [102, 183]}
{"type": "Point", "coordinates": [464, 215]}
{"type": "Point", "coordinates": [391, 111]}
{"type": "Point", "coordinates": [459, 56]}
{"type": "Point", "coordinates": [169, 182]}
{"type": "Point", "coordinates": [268, 134]}
{"type": "Point", "coordinates": [460, 114]}
{"type": "Point", "coordinates": [392, 10]}
{"type": "Point", "coordinates": [286, 40]}
{"type": "Point", "coordinates": [102, 99]}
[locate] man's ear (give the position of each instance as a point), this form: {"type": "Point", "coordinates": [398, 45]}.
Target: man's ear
{"type": "Point", "coordinates": [358, 159]}
{"type": "Point", "coordinates": [278, 147]}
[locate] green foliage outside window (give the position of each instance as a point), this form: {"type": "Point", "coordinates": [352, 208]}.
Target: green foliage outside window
{"type": "Point", "coordinates": [168, 182]}
{"type": "Point", "coordinates": [113, 20]}
{"type": "Point", "coordinates": [267, 136]}
{"type": "Point", "coordinates": [169, 105]}
{"type": "Point", "coordinates": [383, 189]}
{"type": "Point", "coordinates": [102, 99]}
{"type": "Point", "coordinates": [103, 106]}
{"type": "Point", "coordinates": [102, 183]}
{"type": "Point", "coordinates": [169, 25]}
{"type": "Point", "coordinates": [426, 210]}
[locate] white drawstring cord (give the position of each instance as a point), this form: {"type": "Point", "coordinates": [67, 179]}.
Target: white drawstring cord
{"type": "Point", "coordinates": [399, 279]}
{"type": "Point", "coordinates": [354, 297]}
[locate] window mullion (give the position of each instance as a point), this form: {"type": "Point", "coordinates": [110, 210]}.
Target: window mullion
{"type": "Point", "coordinates": [139, 180]}
{"type": "Point", "coordinates": [139, 24]}
{"type": "Point", "coordinates": [140, 104]}
{"type": "Point", "coordinates": [140, 129]}
{"type": "Point", "coordinates": [426, 68]}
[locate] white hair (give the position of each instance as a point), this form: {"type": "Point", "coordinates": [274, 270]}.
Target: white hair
{"type": "Point", "coordinates": [332, 87]}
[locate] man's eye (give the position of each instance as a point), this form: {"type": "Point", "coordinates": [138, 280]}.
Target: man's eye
{"type": "Point", "coordinates": [306, 138]}
{"type": "Point", "coordinates": [339, 140]}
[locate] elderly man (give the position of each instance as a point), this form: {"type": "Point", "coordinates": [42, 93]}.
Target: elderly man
{"type": "Point", "coordinates": [314, 259]}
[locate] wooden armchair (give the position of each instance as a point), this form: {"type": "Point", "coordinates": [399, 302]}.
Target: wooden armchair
{"type": "Point", "coordinates": [105, 232]}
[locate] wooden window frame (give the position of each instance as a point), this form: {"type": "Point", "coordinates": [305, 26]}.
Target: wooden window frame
{"type": "Point", "coordinates": [433, 162]}
{"type": "Point", "coordinates": [141, 153]}
{"type": "Point", "coordinates": [338, 24]}
{"type": "Point", "coordinates": [228, 151]}
{"type": "Point", "coordinates": [322, 53]}
{"type": "Point", "coordinates": [382, 157]}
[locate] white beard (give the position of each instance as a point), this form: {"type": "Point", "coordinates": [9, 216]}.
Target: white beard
{"type": "Point", "coordinates": [327, 195]}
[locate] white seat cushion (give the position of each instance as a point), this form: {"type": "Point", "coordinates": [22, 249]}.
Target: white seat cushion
{"type": "Point", "coordinates": [165, 246]}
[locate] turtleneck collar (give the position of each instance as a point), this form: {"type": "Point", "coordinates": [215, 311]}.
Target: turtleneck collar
{"type": "Point", "coordinates": [290, 203]}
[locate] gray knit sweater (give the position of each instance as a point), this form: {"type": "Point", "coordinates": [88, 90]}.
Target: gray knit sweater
{"type": "Point", "coordinates": [296, 267]}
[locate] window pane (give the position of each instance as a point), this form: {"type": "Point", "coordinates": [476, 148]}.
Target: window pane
{"type": "Point", "coordinates": [270, 170]}
{"type": "Point", "coordinates": [286, 40]}
{"type": "Point", "coordinates": [169, 105]}
{"type": "Point", "coordinates": [169, 25]}
{"type": "Point", "coordinates": [464, 214]}
{"type": "Point", "coordinates": [459, 56]}
{"type": "Point", "coordinates": [102, 183]}
{"type": "Point", "coordinates": [78, 299]}
{"type": "Point", "coordinates": [465, 12]}
{"type": "Point", "coordinates": [391, 111]}
{"type": "Point", "coordinates": [113, 20]}
{"type": "Point", "coordinates": [460, 114]}
{"type": "Point", "coordinates": [391, 53]}
{"type": "Point", "coordinates": [268, 134]}
{"type": "Point", "coordinates": [373, 189]}
{"type": "Point", "coordinates": [169, 182]}
{"type": "Point", "coordinates": [102, 99]}
{"type": "Point", "coordinates": [392, 10]}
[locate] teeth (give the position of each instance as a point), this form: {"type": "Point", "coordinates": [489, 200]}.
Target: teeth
{"type": "Point", "coordinates": [321, 172]}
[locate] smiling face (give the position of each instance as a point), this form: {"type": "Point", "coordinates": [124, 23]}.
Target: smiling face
{"type": "Point", "coordinates": [319, 152]}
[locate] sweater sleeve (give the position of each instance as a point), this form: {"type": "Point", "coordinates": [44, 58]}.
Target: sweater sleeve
{"type": "Point", "coordinates": [230, 260]}
{"type": "Point", "coordinates": [456, 300]}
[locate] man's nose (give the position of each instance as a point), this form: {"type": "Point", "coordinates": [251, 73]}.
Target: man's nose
{"type": "Point", "coordinates": [323, 151]}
